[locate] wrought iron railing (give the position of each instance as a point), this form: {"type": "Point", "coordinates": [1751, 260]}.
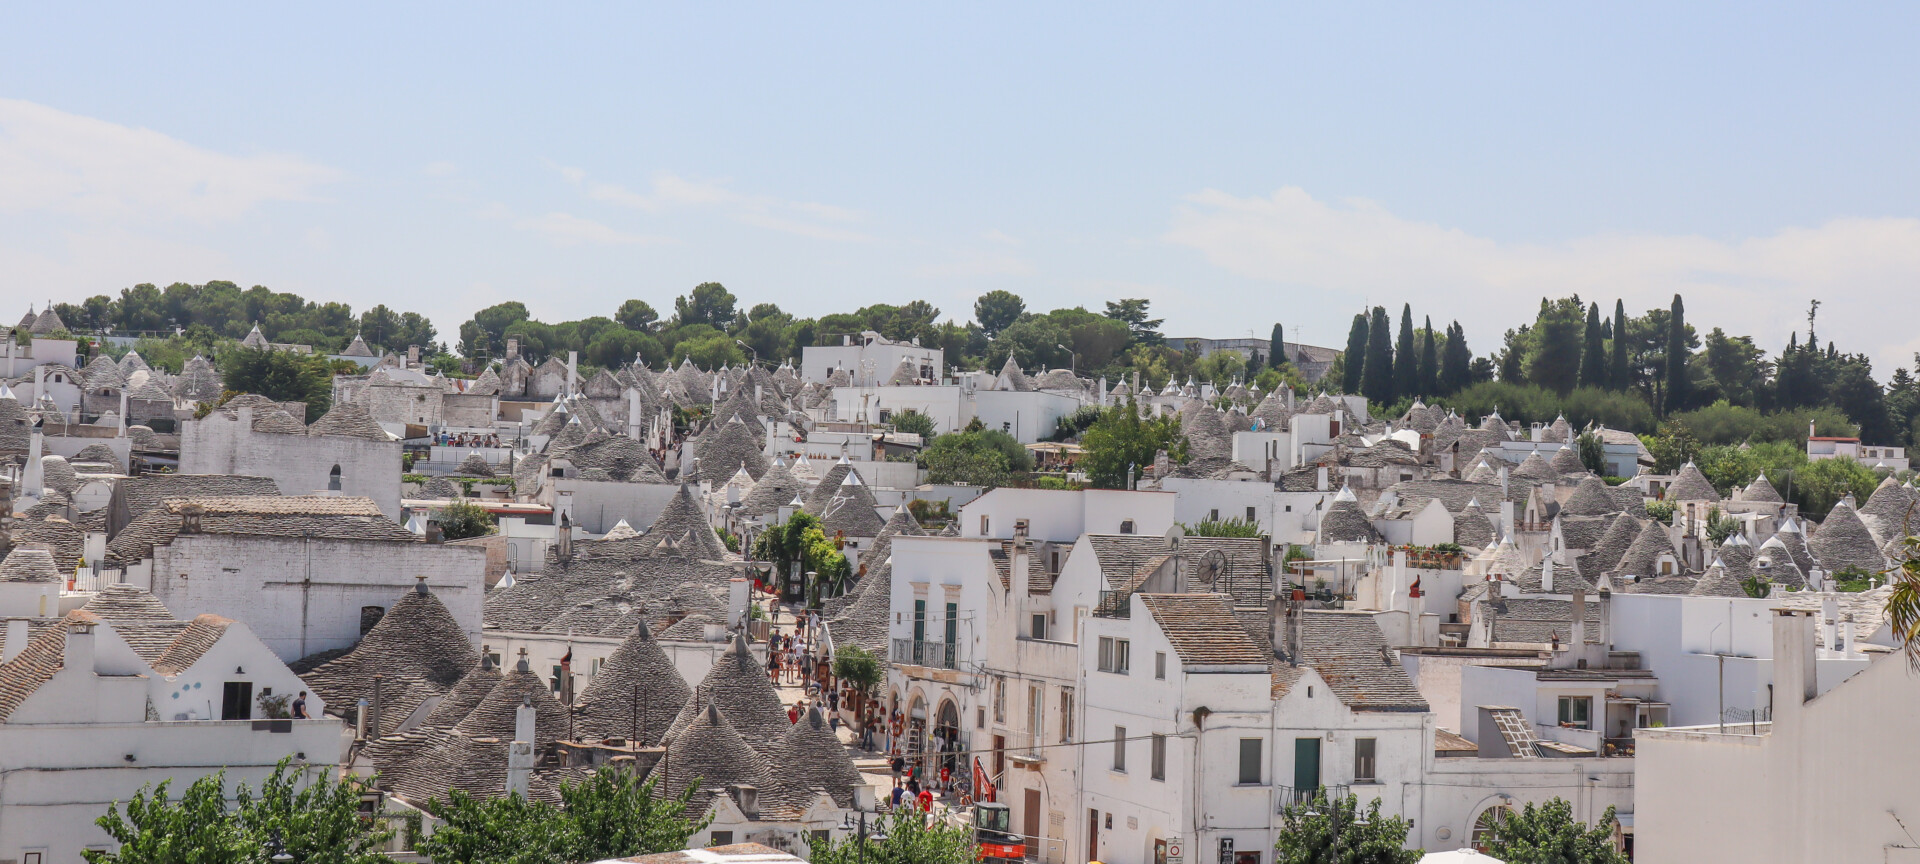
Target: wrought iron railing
{"type": "Point", "coordinates": [1290, 796]}
{"type": "Point", "coordinates": [919, 653]}
{"type": "Point", "coordinates": [1114, 604]}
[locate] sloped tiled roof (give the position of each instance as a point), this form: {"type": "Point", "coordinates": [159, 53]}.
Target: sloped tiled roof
{"type": "Point", "coordinates": [710, 752]}
{"type": "Point", "coordinates": [26, 563]}
{"type": "Point", "coordinates": [1202, 629]}
{"type": "Point", "coordinates": [828, 767]}
{"type": "Point", "coordinates": [349, 419]}
{"type": "Point", "coordinates": [1345, 523]}
{"type": "Point", "coordinates": [1890, 510]}
{"type": "Point", "coordinates": [851, 511]}
{"type": "Point", "coordinates": [1762, 490]}
{"type": "Point", "coordinates": [1351, 654]}
{"type": "Point", "coordinates": [1590, 498]}
{"type": "Point", "coordinates": [311, 516]}
{"type": "Point", "coordinates": [192, 644]}
{"type": "Point", "coordinates": [772, 491]}
{"type": "Point", "coordinates": [1640, 558]}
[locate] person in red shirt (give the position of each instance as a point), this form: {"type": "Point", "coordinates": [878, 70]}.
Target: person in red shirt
{"type": "Point", "coordinates": [925, 800]}
{"type": "Point", "coordinates": [793, 713]}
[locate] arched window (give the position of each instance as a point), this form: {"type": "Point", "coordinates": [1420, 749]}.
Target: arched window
{"type": "Point", "coordinates": [333, 479]}
{"type": "Point", "coordinates": [1485, 826]}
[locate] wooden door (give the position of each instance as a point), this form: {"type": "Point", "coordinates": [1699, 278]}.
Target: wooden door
{"type": "Point", "coordinates": [1030, 822]}
{"type": "Point", "coordinates": [1306, 766]}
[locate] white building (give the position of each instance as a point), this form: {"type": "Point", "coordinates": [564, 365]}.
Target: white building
{"type": "Point", "coordinates": [344, 451]}
{"type": "Point", "coordinates": [1828, 779]}
{"type": "Point", "coordinates": [870, 360]}
{"type": "Point", "coordinates": [1829, 447]}
{"type": "Point", "coordinates": [308, 573]}
{"type": "Point", "coordinates": [118, 695]}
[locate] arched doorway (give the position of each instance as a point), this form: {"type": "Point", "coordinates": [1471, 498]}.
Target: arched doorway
{"type": "Point", "coordinates": [946, 736]}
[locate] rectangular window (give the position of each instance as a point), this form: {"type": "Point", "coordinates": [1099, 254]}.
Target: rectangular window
{"type": "Point", "coordinates": [1213, 515]}
{"type": "Point", "coordinates": [953, 629]}
{"type": "Point", "coordinates": [1126, 526]}
{"type": "Point", "coordinates": [721, 838]}
{"type": "Point", "coordinates": [999, 700]}
{"type": "Point", "coordinates": [919, 621]}
{"type": "Point", "coordinates": [1250, 761]}
{"type": "Point", "coordinates": [1576, 711]}
{"type": "Point", "coordinates": [236, 701]}
{"type": "Point", "coordinates": [1039, 625]}
{"type": "Point", "coordinates": [555, 680]}
{"type": "Point", "coordinates": [983, 525]}
{"type": "Point", "coordinates": [1250, 514]}
{"type": "Point", "coordinates": [1036, 714]}
{"type": "Point", "coordinates": [1159, 665]}
{"type": "Point", "coordinates": [1113, 655]}
{"type": "Point", "coordinates": [1119, 748]}
{"type": "Point", "coordinates": [1363, 760]}
{"type": "Point", "coordinates": [1159, 757]}
{"type": "Point", "coordinates": [1066, 714]}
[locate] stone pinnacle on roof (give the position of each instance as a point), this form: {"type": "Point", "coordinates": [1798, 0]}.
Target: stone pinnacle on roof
{"type": "Point", "coordinates": [1691, 485]}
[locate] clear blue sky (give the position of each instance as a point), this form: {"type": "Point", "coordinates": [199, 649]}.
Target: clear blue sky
{"type": "Point", "coordinates": [1238, 165]}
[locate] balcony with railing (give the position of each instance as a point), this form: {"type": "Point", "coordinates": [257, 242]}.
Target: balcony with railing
{"type": "Point", "coordinates": [1289, 796]}
{"type": "Point", "coordinates": [939, 655]}
{"type": "Point", "coordinates": [1114, 604]}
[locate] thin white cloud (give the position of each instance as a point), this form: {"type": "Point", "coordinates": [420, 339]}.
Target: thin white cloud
{"type": "Point", "coordinates": [54, 162]}
{"type": "Point", "coordinates": [1861, 268]}
{"type": "Point", "coordinates": [671, 192]}
{"type": "Point", "coordinates": [566, 229]}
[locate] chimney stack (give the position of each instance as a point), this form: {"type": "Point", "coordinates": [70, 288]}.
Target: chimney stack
{"type": "Point", "coordinates": [1794, 677]}
{"type": "Point", "coordinates": [1580, 623]}
{"type": "Point", "coordinates": [520, 752]}
{"type": "Point", "coordinates": [16, 641]}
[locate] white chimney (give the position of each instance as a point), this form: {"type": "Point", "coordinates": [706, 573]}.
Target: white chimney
{"type": "Point", "coordinates": [1546, 575]}
{"type": "Point", "coordinates": [738, 592]}
{"type": "Point", "coordinates": [80, 648]}
{"type": "Point", "coordinates": [33, 481]}
{"type": "Point", "coordinates": [1846, 636]}
{"type": "Point", "coordinates": [1794, 679]}
{"type": "Point", "coordinates": [573, 372]}
{"type": "Point", "coordinates": [1829, 620]}
{"type": "Point", "coordinates": [520, 753]}
{"type": "Point", "coordinates": [1579, 621]}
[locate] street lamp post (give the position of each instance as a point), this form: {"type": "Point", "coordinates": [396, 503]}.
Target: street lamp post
{"type": "Point", "coordinates": [756, 354]}
{"type": "Point", "coordinates": [1073, 360]}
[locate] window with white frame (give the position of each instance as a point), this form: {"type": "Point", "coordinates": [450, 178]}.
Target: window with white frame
{"type": "Point", "coordinates": [1120, 748]}
{"type": "Point", "coordinates": [1114, 655]}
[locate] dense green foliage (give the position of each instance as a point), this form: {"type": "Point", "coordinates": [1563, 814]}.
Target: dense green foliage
{"type": "Point", "coordinates": [226, 310]}
{"type": "Point", "coordinates": [282, 376]}
{"type": "Point", "coordinates": [610, 815]}
{"type": "Point", "coordinates": [1122, 443]}
{"type": "Point", "coordinates": [976, 456]}
{"type": "Point", "coordinates": [312, 817]}
{"type": "Point", "coordinates": [1234, 527]}
{"type": "Point", "coordinates": [1548, 834]}
{"type": "Point", "coordinates": [906, 837]}
{"type": "Point", "coordinates": [462, 519]}
{"type": "Point", "coordinates": [802, 540]}
{"type": "Point", "coordinates": [913, 423]}
{"type": "Point", "coordinates": [1339, 832]}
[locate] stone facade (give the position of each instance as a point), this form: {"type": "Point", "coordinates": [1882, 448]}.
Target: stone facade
{"type": "Point", "coordinates": [298, 464]}
{"type": "Point", "coordinates": [305, 596]}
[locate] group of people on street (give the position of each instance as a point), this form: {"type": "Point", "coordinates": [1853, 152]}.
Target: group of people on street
{"type": "Point", "coordinates": [469, 439]}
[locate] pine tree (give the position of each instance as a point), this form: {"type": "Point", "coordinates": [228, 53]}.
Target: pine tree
{"type": "Point", "coordinates": [1456, 370]}
{"type": "Point", "coordinates": [1277, 348]}
{"type": "Point", "coordinates": [1406, 358]}
{"type": "Point", "coordinates": [1429, 362]}
{"type": "Point", "coordinates": [1617, 375]}
{"type": "Point", "coordinates": [1593, 361]}
{"type": "Point", "coordinates": [1376, 382]}
{"type": "Point", "coordinates": [1677, 378]}
{"type": "Point", "coordinates": [1355, 360]}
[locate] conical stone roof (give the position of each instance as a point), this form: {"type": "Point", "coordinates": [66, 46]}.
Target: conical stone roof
{"type": "Point", "coordinates": [710, 752]}
{"type": "Point", "coordinates": [637, 694]}
{"type": "Point", "coordinates": [1641, 557]}
{"type": "Point", "coordinates": [1691, 485]}
{"type": "Point", "coordinates": [1590, 498]}
{"type": "Point", "coordinates": [829, 768]}
{"type": "Point", "coordinates": [739, 686]}
{"type": "Point", "coordinates": [1844, 542]}
{"type": "Point", "coordinates": [418, 647]}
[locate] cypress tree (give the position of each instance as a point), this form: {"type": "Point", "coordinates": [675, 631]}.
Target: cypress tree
{"type": "Point", "coordinates": [1617, 377]}
{"type": "Point", "coordinates": [1457, 368]}
{"type": "Point", "coordinates": [1429, 362]}
{"type": "Point", "coordinates": [1677, 379]}
{"type": "Point", "coordinates": [1406, 358]}
{"type": "Point", "coordinates": [1593, 361]}
{"type": "Point", "coordinates": [1277, 348]}
{"type": "Point", "coordinates": [1355, 360]}
{"type": "Point", "coordinates": [1377, 382]}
